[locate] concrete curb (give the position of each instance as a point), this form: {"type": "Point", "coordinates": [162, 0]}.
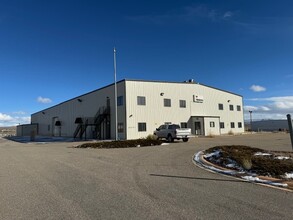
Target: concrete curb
{"type": "Point", "coordinates": [200, 161]}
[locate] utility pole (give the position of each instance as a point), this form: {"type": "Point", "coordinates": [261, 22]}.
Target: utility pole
{"type": "Point", "coordinates": [250, 114]}
{"type": "Point", "coordinates": [115, 96]}
{"type": "Point", "coordinates": [290, 128]}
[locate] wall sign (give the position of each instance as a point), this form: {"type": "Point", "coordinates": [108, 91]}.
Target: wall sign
{"type": "Point", "coordinates": [197, 98]}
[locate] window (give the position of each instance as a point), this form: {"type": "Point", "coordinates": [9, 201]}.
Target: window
{"type": "Point", "coordinates": [119, 100]}
{"type": "Point", "coordinates": [221, 106]}
{"type": "Point", "coordinates": [173, 126]}
{"type": "Point", "coordinates": [140, 100]}
{"type": "Point", "coordinates": [182, 103]}
{"type": "Point", "coordinates": [239, 125]}
{"type": "Point", "coordinates": [232, 125]}
{"type": "Point", "coordinates": [167, 102]}
{"type": "Point", "coordinates": [231, 107]}
{"type": "Point", "coordinates": [238, 108]}
{"type": "Point", "coordinates": [183, 125]}
{"type": "Point", "coordinates": [212, 124]}
{"type": "Point", "coordinates": [162, 127]}
{"type": "Point", "coordinates": [222, 125]}
{"type": "Point", "coordinates": [141, 126]}
{"type": "Point", "coordinates": [48, 127]}
{"type": "Point", "coordinates": [120, 127]}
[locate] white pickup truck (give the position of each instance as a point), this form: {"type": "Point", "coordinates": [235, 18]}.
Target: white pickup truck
{"type": "Point", "coordinates": [173, 131]}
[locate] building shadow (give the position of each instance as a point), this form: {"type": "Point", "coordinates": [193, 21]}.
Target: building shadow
{"type": "Point", "coordinates": [197, 178]}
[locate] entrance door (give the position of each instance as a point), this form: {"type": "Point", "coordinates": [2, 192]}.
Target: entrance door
{"type": "Point", "coordinates": [55, 129]}
{"type": "Point", "coordinates": [108, 102]}
{"type": "Point", "coordinates": [107, 121]}
{"type": "Point", "coordinates": [197, 126]}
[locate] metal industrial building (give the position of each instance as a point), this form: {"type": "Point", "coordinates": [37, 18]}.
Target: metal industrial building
{"type": "Point", "coordinates": [142, 106]}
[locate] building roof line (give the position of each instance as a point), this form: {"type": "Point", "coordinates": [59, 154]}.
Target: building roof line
{"type": "Point", "coordinates": [186, 83]}
{"type": "Point", "coordinates": [134, 80]}
{"type": "Point", "coordinates": [77, 97]}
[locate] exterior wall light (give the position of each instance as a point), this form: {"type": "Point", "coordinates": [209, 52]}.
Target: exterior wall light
{"type": "Point", "coordinates": [58, 123]}
{"type": "Point", "coordinates": [78, 121]}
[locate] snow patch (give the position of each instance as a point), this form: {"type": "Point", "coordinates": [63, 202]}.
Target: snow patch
{"type": "Point", "coordinates": [249, 177]}
{"type": "Point", "coordinates": [289, 175]}
{"type": "Point", "coordinates": [213, 154]}
{"type": "Point", "coordinates": [282, 158]}
{"type": "Point", "coordinates": [258, 180]}
{"type": "Point", "coordinates": [231, 165]}
{"type": "Point", "coordinates": [261, 154]}
{"type": "Point", "coordinates": [197, 159]}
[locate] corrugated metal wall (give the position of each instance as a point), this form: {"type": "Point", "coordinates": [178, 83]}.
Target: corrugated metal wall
{"type": "Point", "coordinates": [201, 101]}
{"type": "Point", "coordinates": [83, 106]}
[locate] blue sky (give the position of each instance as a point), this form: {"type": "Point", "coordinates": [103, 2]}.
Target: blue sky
{"type": "Point", "coordinates": [53, 50]}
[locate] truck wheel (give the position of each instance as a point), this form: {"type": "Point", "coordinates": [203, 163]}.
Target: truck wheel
{"type": "Point", "coordinates": [185, 139]}
{"type": "Point", "coordinates": [169, 138]}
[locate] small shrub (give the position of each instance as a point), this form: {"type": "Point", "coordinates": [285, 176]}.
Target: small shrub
{"type": "Point", "coordinates": [151, 137]}
{"type": "Point", "coordinates": [246, 163]}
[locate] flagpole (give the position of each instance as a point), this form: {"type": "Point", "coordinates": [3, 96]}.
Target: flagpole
{"type": "Point", "coordinates": [115, 96]}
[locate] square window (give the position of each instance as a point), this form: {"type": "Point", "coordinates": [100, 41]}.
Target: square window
{"type": "Point", "coordinates": [221, 106]}
{"type": "Point", "coordinates": [231, 107]}
{"type": "Point", "coordinates": [222, 125]}
{"type": "Point", "coordinates": [120, 127]}
{"type": "Point", "coordinates": [238, 108]}
{"type": "Point", "coordinates": [141, 100]}
{"type": "Point", "coordinates": [232, 125]}
{"type": "Point", "coordinates": [239, 125]}
{"type": "Point", "coordinates": [183, 125]}
{"type": "Point", "coordinates": [167, 102]}
{"type": "Point", "coordinates": [141, 126]}
{"type": "Point", "coordinates": [182, 103]}
{"type": "Point", "coordinates": [119, 100]}
{"type": "Point", "coordinates": [212, 124]}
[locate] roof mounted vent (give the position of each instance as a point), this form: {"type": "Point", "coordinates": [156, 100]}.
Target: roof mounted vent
{"type": "Point", "coordinates": [189, 81]}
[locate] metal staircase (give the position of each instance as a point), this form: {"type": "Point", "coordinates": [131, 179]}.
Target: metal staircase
{"type": "Point", "coordinates": [99, 121]}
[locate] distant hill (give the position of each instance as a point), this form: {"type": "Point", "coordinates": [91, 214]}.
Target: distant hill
{"type": "Point", "coordinates": [5, 131]}
{"type": "Point", "coordinates": [268, 125]}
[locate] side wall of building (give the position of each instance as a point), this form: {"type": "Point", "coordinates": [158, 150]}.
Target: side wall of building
{"type": "Point", "coordinates": [83, 106]}
{"type": "Point", "coordinates": [26, 130]}
{"type": "Point", "coordinates": [194, 104]}
{"type": "Point", "coordinates": [144, 105]}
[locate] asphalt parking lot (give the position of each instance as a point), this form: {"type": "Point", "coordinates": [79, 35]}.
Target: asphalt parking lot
{"type": "Point", "coordinates": [55, 181]}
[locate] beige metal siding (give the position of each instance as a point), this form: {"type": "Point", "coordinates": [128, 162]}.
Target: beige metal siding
{"type": "Point", "coordinates": [201, 106]}
{"type": "Point", "coordinates": [83, 106]}
{"type": "Point", "coordinates": [154, 113]}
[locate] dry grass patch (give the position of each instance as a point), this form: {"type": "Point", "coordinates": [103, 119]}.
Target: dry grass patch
{"type": "Point", "coordinates": [122, 144]}
{"type": "Point", "coordinates": [254, 160]}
